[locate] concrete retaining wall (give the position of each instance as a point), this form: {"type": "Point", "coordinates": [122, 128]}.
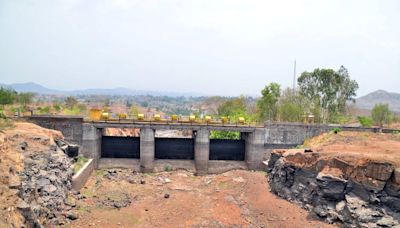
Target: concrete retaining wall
{"type": "Point", "coordinates": [70, 126]}
{"type": "Point", "coordinates": [79, 179]}
{"type": "Point", "coordinates": [281, 134]}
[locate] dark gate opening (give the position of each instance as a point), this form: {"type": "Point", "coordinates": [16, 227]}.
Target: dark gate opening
{"type": "Point", "coordinates": [174, 148]}
{"type": "Point", "coordinates": [227, 149]}
{"type": "Point", "coordinates": [120, 147]}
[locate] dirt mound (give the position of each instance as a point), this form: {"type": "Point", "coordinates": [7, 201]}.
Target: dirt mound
{"type": "Point", "coordinates": [34, 174]}
{"type": "Point", "coordinates": [350, 177]}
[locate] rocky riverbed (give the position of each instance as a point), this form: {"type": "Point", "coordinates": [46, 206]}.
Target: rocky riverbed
{"type": "Point", "coordinates": [348, 187]}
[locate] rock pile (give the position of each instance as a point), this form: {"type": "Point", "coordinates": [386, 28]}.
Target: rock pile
{"type": "Point", "coordinates": [45, 185]}
{"type": "Point", "coordinates": [361, 193]}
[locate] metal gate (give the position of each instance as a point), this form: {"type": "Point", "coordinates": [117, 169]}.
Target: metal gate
{"type": "Point", "coordinates": [226, 149]}
{"type": "Point", "coordinates": [120, 147]}
{"type": "Point", "coordinates": [174, 148]}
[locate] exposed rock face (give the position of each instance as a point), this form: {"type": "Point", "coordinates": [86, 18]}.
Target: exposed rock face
{"type": "Point", "coordinates": [46, 181]}
{"type": "Point", "coordinates": [363, 193]}
{"type": "Point", "coordinates": [39, 174]}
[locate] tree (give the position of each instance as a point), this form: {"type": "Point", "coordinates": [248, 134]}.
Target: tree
{"type": "Point", "coordinates": [25, 98]}
{"type": "Point", "coordinates": [71, 102]}
{"type": "Point", "coordinates": [7, 96]}
{"type": "Point", "coordinates": [328, 89]}
{"type": "Point", "coordinates": [381, 114]}
{"type": "Point", "coordinates": [267, 105]}
{"type": "Point", "coordinates": [134, 110]}
{"type": "Point", "coordinates": [233, 107]}
{"type": "Point", "coordinates": [291, 106]}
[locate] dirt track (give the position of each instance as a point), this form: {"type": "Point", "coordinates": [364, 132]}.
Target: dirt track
{"type": "Point", "coordinates": [233, 199]}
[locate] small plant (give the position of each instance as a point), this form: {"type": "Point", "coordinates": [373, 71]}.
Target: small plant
{"type": "Point", "coordinates": [167, 168]}
{"type": "Point", "coordinates": [336, 130]}
{"type": "Point", "coordinates": [396, 132]}
{"type": "Point", "coordinates": [297, 147]}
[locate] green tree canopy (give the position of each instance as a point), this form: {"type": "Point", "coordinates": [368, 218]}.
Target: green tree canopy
{"type": "Point", "coordinates": [233, 107]}
{"type": "Point", "coordinates": [7, 96]}
{"type": "Point", "coordinates": [291, 106]}
{"type": "Point", "coordinates": [381, 114]}
{"type": "Point", "coordinates": [328, 89]}
{"type": "Point", "coordinates": [25, 98]}
{"type": "Point", "coordinates": [267, 105]}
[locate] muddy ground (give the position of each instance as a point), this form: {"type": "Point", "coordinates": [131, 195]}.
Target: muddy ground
{"type": "Point", "coordinates": [180, 199]}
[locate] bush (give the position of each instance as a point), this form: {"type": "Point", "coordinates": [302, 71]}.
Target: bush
{"type": "Point", "coordinates": [381, 114]}
{"type": "Point", "coordinates": [44, 110]}
{"type": "Point", "coordinates": [365, 121]}
{"type": "Point", "coordinates": [336, 130]}
{"type": "Point", "coordinates": [167, 168]}
{"type": "Point", "coordinates": [225, 135]}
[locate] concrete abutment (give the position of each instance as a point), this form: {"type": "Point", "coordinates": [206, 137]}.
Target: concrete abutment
{"type": "Point", "coordinates": [91, 142]}
{"type": "Point", "coordinates": [202, 151]}
{"type": "Point", "coordinates": [147, 150]}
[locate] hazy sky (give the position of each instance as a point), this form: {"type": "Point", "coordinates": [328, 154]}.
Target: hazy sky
{"type": "Point", "coordinates": [226, 47]}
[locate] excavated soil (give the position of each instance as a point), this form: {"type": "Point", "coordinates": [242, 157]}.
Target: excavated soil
{"type": "Point", "coordinates": [13, 142]}
{"type": "Point", "coordinates": [122, 198]}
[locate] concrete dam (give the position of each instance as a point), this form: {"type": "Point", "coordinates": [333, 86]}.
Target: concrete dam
{"type": "Point", "coordinates": [199, 153]}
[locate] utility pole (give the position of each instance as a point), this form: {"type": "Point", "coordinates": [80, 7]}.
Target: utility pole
{"type": "Point", "coordinates": [294, 76]}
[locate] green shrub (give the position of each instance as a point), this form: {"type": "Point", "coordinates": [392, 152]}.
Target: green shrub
{"type": "Point", "coordinates": [44, 110]}
{"type": "Point", "coordinates": [381, 114]}
{"type": "Point", "coordinates": [225, 135]}
{"type": "Point", "coordinates": [365, 121]}
{"type": "Point", "coordinates": [336, 130]}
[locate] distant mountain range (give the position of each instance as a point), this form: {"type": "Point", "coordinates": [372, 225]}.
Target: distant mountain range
{"type": "Point", "coordinates": [379, 97]}
{"type": "Point", "coordinates": [36, 88]}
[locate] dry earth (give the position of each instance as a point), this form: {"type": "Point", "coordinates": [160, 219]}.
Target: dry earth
{"type": "Point", "coordinates": [180, 199]}
{"type": "Point", "coordinates": [358, 147]}
{"type": "Point", "coordinates": [12, 165]}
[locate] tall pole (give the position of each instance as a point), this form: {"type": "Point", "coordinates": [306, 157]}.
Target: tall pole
{"type": "Point", "coordinates": [294, 76]}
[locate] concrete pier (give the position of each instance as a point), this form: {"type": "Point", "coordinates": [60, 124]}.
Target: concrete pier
{"type": "Point", "coordinates": [254, 148]}
{"type": "Point", "coordinates": [147, 150]}
{"type": "Point", "coordinates": [91, 142]}
{"type": "Point", "coordinates": [202, 151]}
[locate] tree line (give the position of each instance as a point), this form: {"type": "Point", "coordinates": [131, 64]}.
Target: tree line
{"type": "Point", "coordinates": [321, 96]}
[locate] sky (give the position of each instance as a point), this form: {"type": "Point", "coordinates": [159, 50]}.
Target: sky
{"type": "Point", "coordinates": [214, 47]}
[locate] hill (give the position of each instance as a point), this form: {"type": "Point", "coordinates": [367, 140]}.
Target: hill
{"type": "Point", "coordinates": [379, 97]}
{"type": "Point", "coordinates": [37, 88]}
